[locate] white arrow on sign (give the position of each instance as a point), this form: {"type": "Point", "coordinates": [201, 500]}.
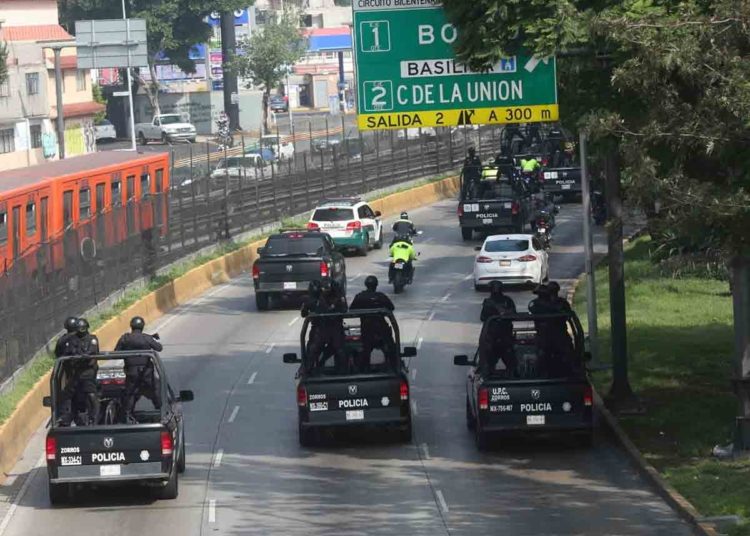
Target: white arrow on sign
{"type": "Point", "coordinates": [534, 61]}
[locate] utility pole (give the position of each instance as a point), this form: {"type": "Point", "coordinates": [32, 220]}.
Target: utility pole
{"type": "Point", "coordinates": [56, 47]}
{"type": "Point", "coordinates": [228, 50]}
{"type": "Point", "coordinates": [133, 146]}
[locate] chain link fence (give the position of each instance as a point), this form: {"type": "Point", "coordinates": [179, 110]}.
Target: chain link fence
{"type": "Point", "coordinates": [209, 201]}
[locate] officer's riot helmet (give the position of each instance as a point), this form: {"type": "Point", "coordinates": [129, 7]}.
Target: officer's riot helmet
{"type": "Point", "coordinates": [71, 324]}
{"type": "Point", "coordinates": [553, 288]}
{"type": "Point", "coordinates": [314, 288]}
{"type": "Point", "coordinates": [496, 288]}
{"type": "Point", "coordinates": [137, 323]}
{"type": "Point", "coordinates": [82, 325]}
{"type": "Point", "coordinates": [404, 215]}
{"type": "Point", "coordinates": [371, 283]}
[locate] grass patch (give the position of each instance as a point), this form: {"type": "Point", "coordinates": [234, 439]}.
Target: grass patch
{"type": "Point", "coordinates": [23, 385]}
{"type": "Point", "coordinates": [680, 346]}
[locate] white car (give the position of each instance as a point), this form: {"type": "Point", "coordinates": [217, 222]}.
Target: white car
{"type": "Point", "coordinates": [240, 166]}
{"type": "Point", "coordinates": [416, 133]}
{"type": "Point", "coordinates": [104, 130]}
{"type": "Point", "coordinates": [166, 128]}
{"type": "Point", "coordinates": [282, 149]}
{"type": "Point", "coordinates": [350, 222]}
{"type": "Point", "coordinates": [512, 258]}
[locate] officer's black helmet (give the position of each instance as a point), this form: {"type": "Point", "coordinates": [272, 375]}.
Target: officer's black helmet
{"type": "Point", "coordinates": [371, 283]}
{"type": "Point", "coordinates": [496, 287]}
{"type": "Point", "coordinates": [472, 151]}
{"type": "Point", "coordinates": [314, 288]}
{"type": "Point", "coordinates": [71, 324]}
{"type": "Point", "coordinates": [404, 215]}
{"type": "Point", "coordinates": [325, 286]}
{"type": "Point", "coordinates": [137, 323]}
{"type": "Point", "coordinates": [553, 287]}
{"type": "Point", "coordinates": [82, 325]}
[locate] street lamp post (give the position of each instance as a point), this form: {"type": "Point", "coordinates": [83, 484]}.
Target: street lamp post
{"type": "Point", "coordinates": [56, 47]}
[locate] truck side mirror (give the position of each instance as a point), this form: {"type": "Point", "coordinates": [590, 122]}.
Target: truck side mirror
{"type": "Point", "coordinates": [260, 251]}
{"type": "Point", "coordinates": [291, 358]}
{"type": "Point", "coordinates": [186, 396]}
{"type": "Point", "coordinates": [461, 360]}
{"type": "Point", "coordinates": [587, 356]}
{"type": "Point", "coordinates": [409, 351]}
{"type": "Point", "coordinates": [47, 401]}
{"type": "Point", "coordinates": [378, 214]}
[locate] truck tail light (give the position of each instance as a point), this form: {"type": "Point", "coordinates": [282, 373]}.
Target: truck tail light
{"type": "Point", "coordinates": [354, 226]}
{"type": "Point", "coordinates": [404, 391]}
{"type": "Point", "coordinates": [460, 210]}
{"type": "Point", "coordinates": [588, 396]}
{"type": "Point", "coordinates": [301, 396]}
{"type": "Point", "coordinates": [51, 448]}
{"type": "Point", "coordinates": [527, 258]}
{"type": "Point", "coordinates": [167, 445]}
{"type": "Point", "coordinates": [312, 226]}
{"type": "Point", "coordinates": [483, 260]}
{"type": "Point", "coordinates": [324, 272]}
{"type": "Point", "coordinates": [256, 271]}
{"type": "Point", "coordinates": [515, 207]}
{"type": "Point", "coordinates": [483, 398]}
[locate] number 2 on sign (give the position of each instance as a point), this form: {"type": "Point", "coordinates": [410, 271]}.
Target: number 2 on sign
{"type": "Point", "coordinates": [378, 100]}
{"type": "Point", "coordinates": [439, 118]}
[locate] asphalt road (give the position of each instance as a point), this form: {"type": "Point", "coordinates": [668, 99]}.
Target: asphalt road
{"type": "Point", "coordinates": [247, 474]}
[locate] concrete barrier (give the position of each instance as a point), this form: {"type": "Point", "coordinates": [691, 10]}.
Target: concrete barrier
{"type": "Point", "coordinates": [30, 414]}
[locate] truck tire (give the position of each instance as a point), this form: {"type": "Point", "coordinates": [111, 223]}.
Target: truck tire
{"type": "Point", "coordinates": [405, 433]}
{"type": "Point", "coordinates": [305, 436]}
{"type": "Point", "coordinates": [58, 493]}
{"type": "Point", "coordinates": [164, 138]}
{"type": "Point", "coordinates": [470, 423]}
{"type": "Point", "coordinates": [467, 234]}
{"type": "Point", "coordinates": [480, 437]}
{"type": "Point", "coordinates": [172, 488]}
{"type": "Point", "coordinates": [262, 301]}
{"type": "Point", "coordinates": [142, 138]}
{"type": "Point", "coordinates": [585, 439]}
{"type": "Point", "coordinates": [362, 251]}
{"type": "Point", "coordinates": [181, 463]}
{"type": "Point", "coordinates": [379, 243]}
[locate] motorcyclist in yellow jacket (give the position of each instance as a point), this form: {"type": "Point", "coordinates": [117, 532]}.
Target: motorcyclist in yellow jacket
{"type": "Point", "coordinates": [402, 250]}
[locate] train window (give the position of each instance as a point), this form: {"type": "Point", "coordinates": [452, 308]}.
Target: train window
{"type": "Point", "coordinates": [16, 223]}
{"type": "Point", "coordinates": [130, 186]}
{"type": "Point", "coordinates": [67, 209]}
{"type": "Point", "coordinates": [100, 198]}
{"type": "Point", "coordinates": [3, 228]}
{"type": "Point", "coordinates": [44, 207]}
{"type": "Point", "coordinates": [30, 219]}
{"type": "Point", "coordinates": [145, 185]}
{"type": "Point", "coordinates": [159, 181]}
{"type": "Point", "coordinates": [84, 203]}
{"type": "Point", "coordinates": [116, 193]}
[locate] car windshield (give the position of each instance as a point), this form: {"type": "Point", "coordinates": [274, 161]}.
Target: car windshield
{"type": "Point", "coordinates": [236, 162]}
{"type": "Point", "coordinates": [285, 245]}
{"type": "Point", "coordinates": [170, 119]}
{"type": "Point", "coordinates": [103, 123]}
{"type": "Point", "coordinates": [506, 246]}
{"type": "Point", "coordinates": [269, 141]}
{"type": "Point", "coordinates": [333, 214]}
{"type": "Point", "coordinates": [277, 99]}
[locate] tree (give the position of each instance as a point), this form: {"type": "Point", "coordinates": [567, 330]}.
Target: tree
{"type": "Point", "coordinates": [269, 53]}
{"type": "Point", "coordinates": [173, 26]}
{"type": "Point", "coordinates": [3, 63]}
{"type": "Point", "coordinates": [675, 96]}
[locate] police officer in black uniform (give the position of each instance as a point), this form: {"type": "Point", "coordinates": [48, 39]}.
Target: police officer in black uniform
{"type": "Point", "coordinates": [498, 303]}
{"type": "Point", "coordinates": [376, 333]}
{"type": "Point", "coordinates": [85, 389]}
{"type": "Point", "coordinates": [326, 334]}
{"type": "Point", "coordinates": [560, 304]}
{"type": "Point", "coordinates": [65, 344]}
{"type": "Point", "coordinates": [496, 339]}
{"type": "Point", "coordinates": [139, 370]}
{"type": "Point", "coordinates": [472, 172]}
{"type": "Point", "coordinates": [554, 341]}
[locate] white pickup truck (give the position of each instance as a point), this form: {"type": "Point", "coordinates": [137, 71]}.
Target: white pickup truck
{"type": "Point", "coordinates": [165, 128]}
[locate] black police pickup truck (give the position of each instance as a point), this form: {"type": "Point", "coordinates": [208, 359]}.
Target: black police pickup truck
{"type": "Point", "coordinates": [290, 260]}
{"type": "Point", "coordinates": [365, 390]}
{"type": "Point", "coordinates": [147, 447]}
{"type": "Point", "coordinates": [554, 179]}
{"type": "Point", "coordinates": [545, 390]}
{"type": "Point", "coordinates": [494, 203]}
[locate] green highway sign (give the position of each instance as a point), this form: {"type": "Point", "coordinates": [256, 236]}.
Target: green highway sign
{"type": "Point", "coordinates": [408, 76]}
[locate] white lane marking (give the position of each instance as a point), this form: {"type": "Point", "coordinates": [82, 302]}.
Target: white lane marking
{"type": "Point", "coordinates": [218, 457]}
{"type": "Point", "coordinates": [270, 347]}
{"type": "Point", "coordinates": [24, 488]}
{"type": "Point", "coordinates": [432, 315]}
{"type": "Point", "coordinates": [414, 408]}
{"type": "Point", "coordinates": [212, 511]}
{"type": "Point", "coordinates": [413, 374]}
{"type": "Point", "coordinates": [425, 451]}
{"type": "Point", "coordinates": [234, 414]}
{"type": "Point", "coordinates": [180, 313]}
{"type": "Point", "coordinates": [428, 241]}
{"type": "Point", "coordinates": [441, 501]}
{"type": "Point", "coordinates": [466, 278]}
{"type": "Point", "coordinates": [291, 323]}
{"type": "Point", "coordinates": [352, 278]}
{"type": "Point", "coordinates": [445, 298]}
{"type": "Point", "coordinates": [252, 378]}
{"type": "Point", "coordinates": [419, 342]}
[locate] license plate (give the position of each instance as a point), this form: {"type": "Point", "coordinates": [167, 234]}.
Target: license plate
{"type": "Point", "coordinates": [318, 406]}
{"type": "Point", "coordinates": [487, 221]}
{"type": "Point", "coordinates": [290, 286]}
{"type": "Point", "coordinates": [566, 186]}
{"type": "Point", "coordinates": [550, 175]}
{"type": "Point", "coordinates": [355, 415]}
{"type": "Point", "coordinates": [534, 420]}
{"type": "Point", "coordinates": [398, 266]}
{"type": "Point", "coordinates": [508, 205]}
{"type": "Point", "coordinates": [504, 263]}
{"type": "Point", "coordinates": [109, 470]}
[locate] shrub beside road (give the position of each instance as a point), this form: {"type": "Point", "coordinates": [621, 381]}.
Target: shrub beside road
{"type": "Point", "coordinates": [680, 340]}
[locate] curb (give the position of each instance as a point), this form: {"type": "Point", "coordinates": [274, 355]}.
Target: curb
{"type": "Point", "coordinates": [669, 494]}
{"type": "Point", "coordinates": [30, 414]}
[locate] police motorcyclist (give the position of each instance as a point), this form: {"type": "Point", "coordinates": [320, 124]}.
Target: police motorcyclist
{"type": "Point", "coordinates": [139, 369]}
{"type": "Point", "coordinates": [86, 397]}
{"type": "Point", "coordinates": [530, 166]}
{"type": "Point", "coordinates": [472, 171]}
{"type": "Point", "coordinates": [402, 250]}
{"type": "Point", "coordinates": [404, 226]}
{"type": "Point", "coordinates": [375, 330]}
{"type": "Point", "coordinates": [326, 334]}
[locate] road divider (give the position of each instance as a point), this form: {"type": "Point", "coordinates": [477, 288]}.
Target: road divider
{"type": "Point", "coordinates": [29, 414]}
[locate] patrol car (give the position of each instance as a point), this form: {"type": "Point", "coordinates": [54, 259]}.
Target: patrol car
{"type": "Point", "coordinates": [351, 223]}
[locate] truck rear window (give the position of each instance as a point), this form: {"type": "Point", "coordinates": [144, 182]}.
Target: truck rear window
{"type": "Point", "coordinates": [333, 214]}
{"type": "Point", "coordinates": [506, 246]}
{"type": "Point", "coordinates": [310, 245]}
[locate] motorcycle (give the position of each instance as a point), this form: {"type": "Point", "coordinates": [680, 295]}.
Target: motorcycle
{"type": "Point", "coordinates": [401, 272]}
{"type": "Point", "coordinates": [543, 225]}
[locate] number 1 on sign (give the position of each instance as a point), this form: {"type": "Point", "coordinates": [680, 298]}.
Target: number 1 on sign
{"type": "Point", "coordinates": [375, 36]}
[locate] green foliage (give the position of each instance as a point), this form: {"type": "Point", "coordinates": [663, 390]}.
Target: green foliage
{"type": "Point", "coordinates": [3, 62]}
{"type": "Point", "coordinates": [96, 92]}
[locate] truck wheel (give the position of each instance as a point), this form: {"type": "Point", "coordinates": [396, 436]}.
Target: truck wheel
{"type": "Point", "coordinates": [466, 234]}
{"type": "Point", "coordinates": [262, 301]}
{"type": "Point", "coordinates": [142, 138]}
{"type": "Point", "coordinates": [480, 437]}
{"type": "Point", "coordinates": [470, 423]}
{"type": "Point", "coordinates": [181, 460]}
{"type": "Point", "coordinates": [171, 489]}
{"type": "Point", "coordinates": [305, 436]}
{"type": "Point", "coordinates": [362, 251]}
{"type": "Point", "coordinates": [379, 243]}
{"type": "Point", "coordinates": [405, 433]}
{"type": "Point", "coordinates": [58, 493]}
{"type": "Point", "coordinates": [585, 439]}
